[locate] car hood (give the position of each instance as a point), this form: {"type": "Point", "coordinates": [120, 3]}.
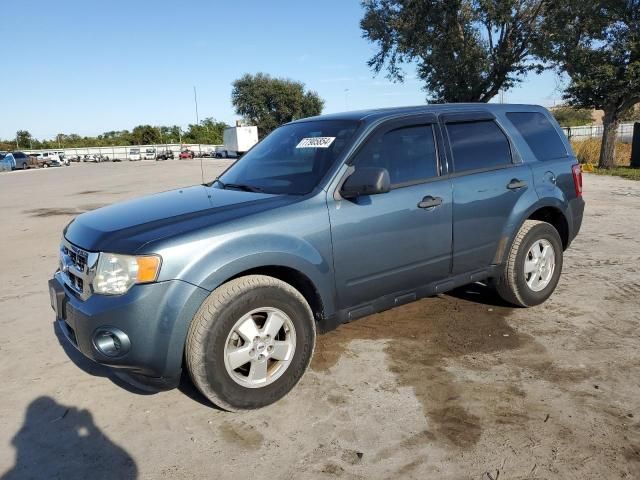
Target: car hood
{"type": "Point", "coordinates": [126, 226]}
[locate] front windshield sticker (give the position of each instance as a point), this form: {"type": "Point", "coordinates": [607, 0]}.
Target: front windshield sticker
{"type": "Point", "coordinates": [316, 142]}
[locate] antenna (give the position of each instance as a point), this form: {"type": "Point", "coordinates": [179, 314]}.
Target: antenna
{"type": "Point", "coordinates": [195, 100]}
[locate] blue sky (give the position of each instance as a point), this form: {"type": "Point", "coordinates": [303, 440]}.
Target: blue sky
{"type": "Point", "coordinates": [87, 67]}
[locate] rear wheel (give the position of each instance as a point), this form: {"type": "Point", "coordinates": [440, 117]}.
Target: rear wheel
{"type": "Point", "coordinates": [533, 267]}
{"type": "Point", "coordinates": [250, 342]}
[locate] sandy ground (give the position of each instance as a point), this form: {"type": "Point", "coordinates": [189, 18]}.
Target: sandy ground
{"type": "Point", "coordinates": [457, 386]}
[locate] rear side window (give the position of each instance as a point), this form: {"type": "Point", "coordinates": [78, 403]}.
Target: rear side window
{"type": "Point", "coordinates": [537, 131]}
{"type": "Point", "coordinates": [408, 154]}
{"type": "Point", "coordinates": [478, 145]}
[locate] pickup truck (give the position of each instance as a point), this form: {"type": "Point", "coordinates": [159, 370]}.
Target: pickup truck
{"type": "Point", "coordinates": [327, 220]}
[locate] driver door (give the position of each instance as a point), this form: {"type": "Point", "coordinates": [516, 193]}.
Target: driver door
{"type": "Point", "coordinates": [393, 243]}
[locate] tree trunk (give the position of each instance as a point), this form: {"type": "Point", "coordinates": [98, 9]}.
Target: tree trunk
{"type": "Point", "coordinates": [610, 124]}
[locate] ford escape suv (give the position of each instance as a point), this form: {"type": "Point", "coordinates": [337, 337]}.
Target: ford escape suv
{"type": "Point", "coordinates": [326, 220]}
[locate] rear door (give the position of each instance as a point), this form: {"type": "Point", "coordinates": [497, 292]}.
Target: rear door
{"type": "Point", "coordinates": [488, 180]}
{"type": "Point", "coordinates": [394, 242]}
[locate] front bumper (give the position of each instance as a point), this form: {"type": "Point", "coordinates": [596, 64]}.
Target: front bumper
{"type": "Point", "coordinates": [155, 318]}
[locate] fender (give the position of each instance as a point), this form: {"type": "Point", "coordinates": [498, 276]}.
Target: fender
{"type": "Point", "coordinates": [237, 255]}
{"type": "Point", "coordinates": [519, 217]}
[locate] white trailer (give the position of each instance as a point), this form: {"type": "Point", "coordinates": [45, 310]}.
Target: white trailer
{"type": "Point", "coordinates": [238, 140]}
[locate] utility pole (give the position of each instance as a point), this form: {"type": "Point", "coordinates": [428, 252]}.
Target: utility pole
{"type": "Point", "coordinates": [195, 99]}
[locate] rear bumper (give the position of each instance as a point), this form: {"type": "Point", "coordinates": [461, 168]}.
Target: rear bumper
{"type": "Point", "coordinates": [576, 207]}
{"type": "Point", "coordinates": [154, 319]}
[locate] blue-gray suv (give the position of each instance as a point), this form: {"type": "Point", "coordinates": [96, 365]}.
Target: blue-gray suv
{"type": "Point", "coordinates": [326, 220]}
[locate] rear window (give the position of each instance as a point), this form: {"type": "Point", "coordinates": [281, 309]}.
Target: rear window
{"type": "Point", "coordinates": [478, 145]}
{"type": "Point", "coordinates": [537, 131]}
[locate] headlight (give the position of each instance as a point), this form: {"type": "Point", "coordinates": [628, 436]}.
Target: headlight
{"type": "Point", "coordinates": [116, 273]}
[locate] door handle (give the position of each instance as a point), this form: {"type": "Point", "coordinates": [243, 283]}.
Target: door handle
{"type": "Point", "coordinates": [515, 184]}
{"type": "Point", "coordinates": [430, 202]}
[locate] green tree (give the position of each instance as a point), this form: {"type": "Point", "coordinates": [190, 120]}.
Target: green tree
{"type": "Point", "coordinates": [597, 44]}
{"type": "Point", "coordinates": [145, 135]}
{"type": "Point", "coordinates": [208, 131]}
{"type": "Point", "coordinates": [23, 139]}
{"type": "Point", "coordinates": [464, 50]}
{"type": "Point", "coordinates": [572, 117]}
{"type": "Point", "coordinates": [269, 102]}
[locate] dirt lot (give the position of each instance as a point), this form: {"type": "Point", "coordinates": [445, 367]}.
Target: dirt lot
{"type": "Point", "coordinates": [449, 387]}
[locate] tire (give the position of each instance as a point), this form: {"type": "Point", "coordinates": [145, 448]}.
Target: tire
{"type": "Point", "coordinates": [518, 287]}
{"type": "Point", "coordinates": [25, 166]}
{"type": "Point", "coordinates": [46, 165]}
{"type": "Point", "coordinates": [214, 326]}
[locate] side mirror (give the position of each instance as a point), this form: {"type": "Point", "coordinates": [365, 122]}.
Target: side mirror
{"type": "Point", "coordinates": [366, 181]}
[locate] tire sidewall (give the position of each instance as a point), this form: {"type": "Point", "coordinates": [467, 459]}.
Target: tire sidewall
{"type": "Point", "coordinates": [543, 231]}
{"type": "Point", "coordinates": [238, 396]}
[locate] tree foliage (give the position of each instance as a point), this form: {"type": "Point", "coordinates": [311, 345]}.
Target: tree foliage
{"type": "Point", "coordinates": [269, 102]}
{"type": "Point", "coordinates": [597, 44]}
{"type": "Point", "coordinates": [464, 50]}
{"type": "Point", "coordinates": [23, 139]}
{"type": "Point", "coordinates": [572, 117]}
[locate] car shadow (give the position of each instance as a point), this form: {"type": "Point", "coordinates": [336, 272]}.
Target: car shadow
{"type": "Point", "coordinates": [479, 293]}
{"type": "Point", "coordinates": [95, 369]}
{"type": "Point", "coordinates": [188, 389]}
{"type": "Point", "coordinates": [59, 441]}
{"type": "Point", "coordinates": [186, 386]}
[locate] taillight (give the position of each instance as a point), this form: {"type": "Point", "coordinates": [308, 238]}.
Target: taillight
{"type": "Point", "coordinates": [576, 170]}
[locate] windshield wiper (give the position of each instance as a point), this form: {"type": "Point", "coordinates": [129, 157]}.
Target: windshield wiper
{"type": "Point", "coordinates": [242, 186]}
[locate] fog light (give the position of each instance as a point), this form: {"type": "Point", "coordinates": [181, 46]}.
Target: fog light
{"type": "Point", "coordinates": [111, 342]}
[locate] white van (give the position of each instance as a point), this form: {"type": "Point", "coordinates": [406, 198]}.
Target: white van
{"type": "Point", "coordinates": [149, 154]}
{"type": "Point", "coordinates": [134, 155]}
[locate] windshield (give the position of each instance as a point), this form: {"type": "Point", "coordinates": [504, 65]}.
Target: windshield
{"type": "Point", "coordinates": [292, 159]}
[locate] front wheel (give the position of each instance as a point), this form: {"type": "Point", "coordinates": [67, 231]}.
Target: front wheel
{"type": "Point", "coordinates": [250, 342]}
{"type": "Point", "coordinates": [533, 267]}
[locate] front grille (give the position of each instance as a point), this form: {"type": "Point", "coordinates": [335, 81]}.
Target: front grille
{"type": "Point", "coordinates": [78, 268]}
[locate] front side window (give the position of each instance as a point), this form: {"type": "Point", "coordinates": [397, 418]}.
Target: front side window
{"type": "Point", "coordinates": [478, 145]}
{"type": "Point", "coordinates": [292, 159]}
{"type": "Point", "coordinates": [408, 154]}
{"type": "Point", "coordinates": [537, 131]}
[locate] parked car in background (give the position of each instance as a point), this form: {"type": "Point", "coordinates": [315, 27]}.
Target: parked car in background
{"type": "Point", "coordinates": [187, 154]}
{"type": "Point", "coordinates": [5, 163]}
{"type": "Point", "coordinates": [165, 155]}
{"type": "Point", "coordinates": [134, 155]}
{"type": "Point", "coordinates": [52, 157]}
{"type": "Point", "coordinates": [49, 161]}
{"type": "Point", "coordinates": [149, 154]}
{"type": "Point", "coordinates": [96, 158]}
{"type": "Point", "coordinates": [19, 160]}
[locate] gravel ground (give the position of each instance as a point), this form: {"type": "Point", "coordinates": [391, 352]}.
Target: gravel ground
{"type": "Point", "coordinates": [456, 386]}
